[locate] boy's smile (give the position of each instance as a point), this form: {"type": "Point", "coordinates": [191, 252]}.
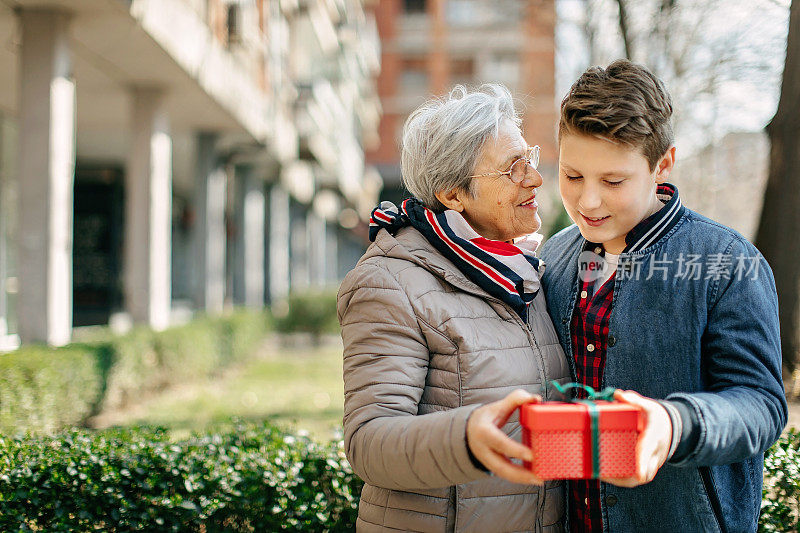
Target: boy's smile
{"type": "Point", "coordinates": [595, 222]}
{"type": "Point", "coordinates": [608, 188]}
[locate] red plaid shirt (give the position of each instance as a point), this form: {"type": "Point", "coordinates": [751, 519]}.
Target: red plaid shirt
{"type": "Point", "coordinates": [589, 341]}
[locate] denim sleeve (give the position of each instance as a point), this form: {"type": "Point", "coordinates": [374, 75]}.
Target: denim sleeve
{"type": "Point", "coordinates": [742, 410]}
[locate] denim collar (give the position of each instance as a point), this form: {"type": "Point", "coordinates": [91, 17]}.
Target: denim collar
{"type": "Point", "coordinates": [651, 229]}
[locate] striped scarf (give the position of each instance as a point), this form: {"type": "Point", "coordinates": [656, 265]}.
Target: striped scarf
{"type": "Point", "coordinates": [506, 271]}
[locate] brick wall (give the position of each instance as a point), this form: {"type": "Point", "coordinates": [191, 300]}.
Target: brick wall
{"type": "Point", "coordinates": [451, 51]}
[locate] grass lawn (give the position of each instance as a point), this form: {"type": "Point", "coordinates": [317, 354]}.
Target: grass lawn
{"type": "Point", "coordinates": [299, 387]}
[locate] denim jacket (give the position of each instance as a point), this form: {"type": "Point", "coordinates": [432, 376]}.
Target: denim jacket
{"type": "Point", "coordinates": [710, 342]}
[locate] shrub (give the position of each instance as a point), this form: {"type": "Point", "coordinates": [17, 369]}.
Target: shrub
{"type": "Point", "coordinates": [133, 369]}
{"type": "Point", "coordinates": [252, 478]}
{"type": "Point", "coordinates": [311, 312]}
{"type": "Point", "coordinates": [46, 389]}
{"type": "Point", "coordinates": [560, 222]}
{"type": "Point", "coordinates": [780, 505]}
{"type": "Point", "coordinates": [241, 333]}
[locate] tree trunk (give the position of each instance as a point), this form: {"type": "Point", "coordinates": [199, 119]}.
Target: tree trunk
{"type": "Point", "coordinates": [624, 29]}
{"type": "Point", "coordinates": [778, 232]}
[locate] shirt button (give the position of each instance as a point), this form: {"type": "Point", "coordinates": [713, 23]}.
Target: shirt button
{"type": "Point", "coordinates": [584, 294]}
{"type": "Point", "coordinates": [611, 500]}
{"type": "Point", "coordinates": [586, 501]}
{"type": "Point", "coordinates": [590, 347]}
{"type": "Point", "coordinates": [598, 250]}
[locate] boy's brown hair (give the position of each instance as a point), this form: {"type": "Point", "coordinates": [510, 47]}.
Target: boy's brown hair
{"type": "Point", "coordinates": [624, 103]}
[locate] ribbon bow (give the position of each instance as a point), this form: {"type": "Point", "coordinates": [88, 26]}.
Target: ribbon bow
{"type": "Point", "coordinates": [593, 396]}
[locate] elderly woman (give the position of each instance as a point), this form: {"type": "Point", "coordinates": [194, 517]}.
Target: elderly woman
{"type": "Point", "coordinates": [446, 331]}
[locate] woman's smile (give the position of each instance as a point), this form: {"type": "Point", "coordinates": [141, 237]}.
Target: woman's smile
{"type": "Point", "coordinates": [530, 203]}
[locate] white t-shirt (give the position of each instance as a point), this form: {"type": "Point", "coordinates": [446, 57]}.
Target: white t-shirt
{"type": "Point", "coordinates": [611, 262]}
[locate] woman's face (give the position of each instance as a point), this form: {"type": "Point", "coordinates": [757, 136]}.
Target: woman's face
{"type": "Point", "coordinates": [499, 208]}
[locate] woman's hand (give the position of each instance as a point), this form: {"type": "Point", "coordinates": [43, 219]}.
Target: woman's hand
{"type": "Point", "coordinates": [492, 447]}
{"type": "Point", "coordinates": [653, 443]}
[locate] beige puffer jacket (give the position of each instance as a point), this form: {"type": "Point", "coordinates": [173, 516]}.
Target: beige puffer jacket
{"type": "Point", "coordinates": [424, 347]}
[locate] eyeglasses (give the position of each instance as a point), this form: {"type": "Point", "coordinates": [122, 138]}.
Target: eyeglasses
{"type": "Point", "coordinates": [519, 168]}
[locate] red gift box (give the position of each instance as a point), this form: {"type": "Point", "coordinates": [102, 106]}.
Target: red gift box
{"type": "Point", "coordinates": [561, 437]}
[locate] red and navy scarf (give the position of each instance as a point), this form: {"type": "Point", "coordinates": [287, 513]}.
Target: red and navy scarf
{"type": "Point", "coordinates": [506, 271]}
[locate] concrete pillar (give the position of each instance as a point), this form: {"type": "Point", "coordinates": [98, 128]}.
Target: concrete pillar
{"type": "Point", "coordinates": [230, 233]}
{"type": "Point", "coordinates": [332, 254]}
{"type": "Point", "coordinates": [316, 248]}
{"type": "Point", "coordinates": [46, 177]}
{"type": "Point", "coordinates": [279, 221]}
{"type": "Point", "coordinates": [248, 274]}
{"type": "Point", "coordinates": [300, 274]}
{"type": "Point", "coordinates": [3, 225]}
{"type": "Point", "coordinates": [209, 238]}
{"type": "Point", "coordinates": [148, 210]}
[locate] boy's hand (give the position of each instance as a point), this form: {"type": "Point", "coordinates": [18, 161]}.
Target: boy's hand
{"type": "Point", "coordinates": [653, 444]}
{"type": "Point", "coordinates": [492, 447]}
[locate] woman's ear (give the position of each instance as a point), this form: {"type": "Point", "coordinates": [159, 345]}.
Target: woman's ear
{"type": "Point", "coordinates": [665, 165]}
{"type": "Point", "coordinates": [451, 199]}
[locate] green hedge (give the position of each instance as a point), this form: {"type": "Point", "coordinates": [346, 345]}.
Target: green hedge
{"type": "Point", "coordinates": [310, 312]}
{"type": "Point", "coordinates": [45, 389]}
{"type": "Point", "coordinates": [252, 478]}
{"type": "Point", "coordinates": [780, 506]}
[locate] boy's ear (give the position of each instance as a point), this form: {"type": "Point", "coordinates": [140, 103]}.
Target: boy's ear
{"type": "Point", "coordinates": [451, 199]}
{"type": "Point", "coordinates": [665, 165]}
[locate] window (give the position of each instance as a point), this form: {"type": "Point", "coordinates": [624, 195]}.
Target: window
{"type": "Point", "coordinates": [462, 71]}
{"type": "Point", "coordinates": [234, 31]}
{"type": "Point", "coordinates": [501, 68]}
{"type": "Point", "coordinates": [414, 76]}
{"type": "Point", "coordinates": [414, 6]}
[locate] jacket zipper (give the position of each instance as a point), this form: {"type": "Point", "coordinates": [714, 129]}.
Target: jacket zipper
{"type": "Point", "coordinates": [532, 341]}
{"type": "Point", "coordinates": [455, 508]}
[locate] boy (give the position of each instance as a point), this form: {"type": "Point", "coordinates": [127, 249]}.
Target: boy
{"type": "Point", "coordinates": [649, 296]}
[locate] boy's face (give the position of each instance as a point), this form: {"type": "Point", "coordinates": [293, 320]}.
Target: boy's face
{"type": "Point", "coordinates": [608, 188]}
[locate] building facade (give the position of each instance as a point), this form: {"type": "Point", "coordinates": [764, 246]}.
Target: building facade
{"type": "Point", "coordinates": [428, 46]}
{"type": "Point", "coordinates": [160, 157]}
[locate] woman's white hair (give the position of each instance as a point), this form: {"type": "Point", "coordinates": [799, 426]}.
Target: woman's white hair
{"type": "Point", "coordinates": [443, 138]}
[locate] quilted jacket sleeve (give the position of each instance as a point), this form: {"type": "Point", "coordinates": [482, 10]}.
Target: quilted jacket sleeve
{"type": "Point", "coordinates": [385, 367]}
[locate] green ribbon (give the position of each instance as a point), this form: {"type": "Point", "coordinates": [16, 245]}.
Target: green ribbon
{"type": "Point", "coordinates": [606, 394]}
